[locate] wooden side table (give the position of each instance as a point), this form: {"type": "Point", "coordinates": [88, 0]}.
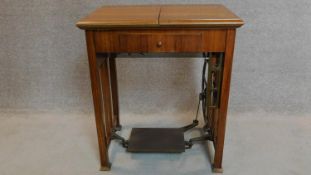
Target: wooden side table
{"type": "Point", "coordinates": [207, 29]}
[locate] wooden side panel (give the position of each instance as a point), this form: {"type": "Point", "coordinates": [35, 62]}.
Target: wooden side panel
{"type": "Point", "coordinates": [156, 41]}
{"type": "Point", "coordinates": [214, 40]}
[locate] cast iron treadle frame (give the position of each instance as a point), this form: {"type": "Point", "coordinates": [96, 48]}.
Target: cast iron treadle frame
{"type": "Point", "coordinates": [160, 140]}
{"type": "Point", "coordinates": [116, 136]}
{"type": "Point", "coordinates": [171, 140]}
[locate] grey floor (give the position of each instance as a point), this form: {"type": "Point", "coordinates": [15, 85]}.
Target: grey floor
{"type": "Point", "coordinates": [65, 143]}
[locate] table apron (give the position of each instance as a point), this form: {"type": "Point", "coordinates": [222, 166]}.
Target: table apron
{"type": "Point", "coordinates": [160, 40]}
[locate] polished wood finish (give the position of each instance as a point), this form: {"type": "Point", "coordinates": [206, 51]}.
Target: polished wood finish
{"type": "Point", "coordinates": [98, 102]}
{"type": "Point", "coordinates": [169, 40]}
{"type": "Point", "coordinates": [161, 28]}
{"type": "Point", "coordinates": [106, 96]}
{"type": "Point", "coordinates": [156, 16]}
{"type": "Point", "coordinates": [121, 16]}
{"type": "Point", "coordinates": [114, 89]}
{"type": "Point", "coordinates": [224, 99]}
{"type": "Point", "coordinates": [198, 15]}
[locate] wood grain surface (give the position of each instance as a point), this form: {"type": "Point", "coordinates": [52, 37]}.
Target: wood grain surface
{"type": "Point", "coordinates": [160, 16]}
{"type": "Point", "coordinates": [156, 40]}
{"type": "Point", "coordinates": [198, 15]}
{"type": "Point", "coordinates": [121, 16]}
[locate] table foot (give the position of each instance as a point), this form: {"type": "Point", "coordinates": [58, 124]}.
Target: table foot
{"type": "Point", "coordinates": [105, 168]}
{"type": "Point", "coordinates": [218, 170]}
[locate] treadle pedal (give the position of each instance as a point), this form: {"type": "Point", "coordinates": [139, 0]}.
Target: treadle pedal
{"type": "Point", "coordinates": [156, 140]}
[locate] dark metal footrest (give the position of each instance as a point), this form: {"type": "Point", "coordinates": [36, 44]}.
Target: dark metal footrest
{"type": "Point", "coordinates": [156, 140]}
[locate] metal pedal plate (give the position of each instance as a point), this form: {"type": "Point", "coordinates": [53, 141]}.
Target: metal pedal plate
{"type": "Point", "coordinates": [156, 140]}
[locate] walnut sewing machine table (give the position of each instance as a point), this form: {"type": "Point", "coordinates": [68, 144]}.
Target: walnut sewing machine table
{"type": "Point", "coordinates": [206, 29]}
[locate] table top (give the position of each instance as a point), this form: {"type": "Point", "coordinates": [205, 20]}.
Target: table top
{"type": "Point", "coordinates": [212, 15]}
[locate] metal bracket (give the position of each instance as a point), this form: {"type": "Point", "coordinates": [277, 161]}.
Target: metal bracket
{"type": "Point", "coordinates": [205, 137]}
{"type": "Point", "coordinates": [190, 126]}
{"type": "Point", "coordinates": [118, 128]}
{"type": "Point", "coordinates": [115, 136]}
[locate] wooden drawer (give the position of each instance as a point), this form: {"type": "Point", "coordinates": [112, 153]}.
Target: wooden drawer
{"type": "Point", "coordinates": [160, 41]}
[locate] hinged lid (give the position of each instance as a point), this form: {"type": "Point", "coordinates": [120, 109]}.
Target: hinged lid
{"type": "Point", "coordinates": [212, 15]}
{"type": "Point", "coordinates": [157, 16]}
{"type": "Point", "coordinates": [121, 16]}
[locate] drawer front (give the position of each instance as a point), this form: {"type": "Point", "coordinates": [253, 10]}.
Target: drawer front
{"type": "Point", "coordinates": [160, 41]}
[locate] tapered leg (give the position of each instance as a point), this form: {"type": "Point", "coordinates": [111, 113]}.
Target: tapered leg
{"type": "Point", "coordinates": [114, 89]}
{"type": "Point", "coordinates": [103, 141]}
{"type": "Point", "coordinates": [224, 97]}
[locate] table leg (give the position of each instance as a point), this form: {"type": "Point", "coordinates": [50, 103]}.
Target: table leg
{"type": "Point", "coordinates": [102, 134]}
{"type": "Point", "coordinates": [104, 73]}
{"type": "Point", "coordinates": [225, 88]}
{"type": "Point", "coordinates": [114, 89]}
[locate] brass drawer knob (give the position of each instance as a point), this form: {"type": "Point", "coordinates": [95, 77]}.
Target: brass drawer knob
{"type": "Point", "coordinates": [159, 44]}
